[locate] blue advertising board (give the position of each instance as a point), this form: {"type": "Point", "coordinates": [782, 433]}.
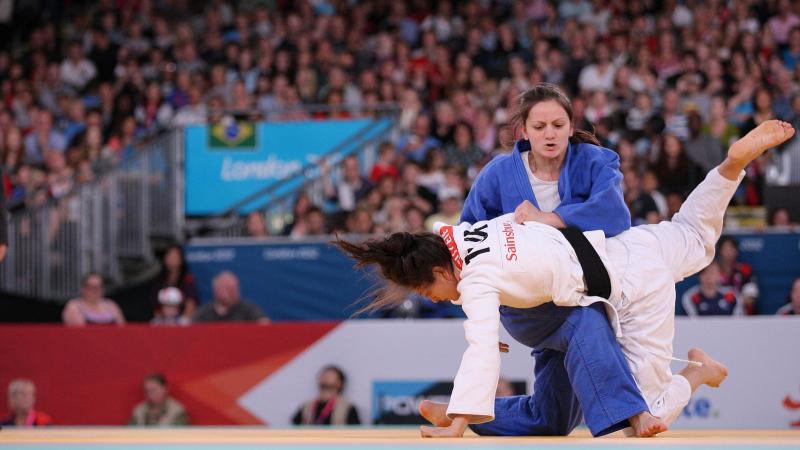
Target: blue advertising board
{"type": "Point", "coordinates": [227, 162]}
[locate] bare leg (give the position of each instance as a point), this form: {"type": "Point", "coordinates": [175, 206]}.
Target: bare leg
{"type": "Point", "coordinates": [752, 145]}
{"type": "Point", "coordinates": [647, 425]}
{"type": "Point", "coordinates": [435, 413]}
{"type": "Point", "coordinates": [712, 373]}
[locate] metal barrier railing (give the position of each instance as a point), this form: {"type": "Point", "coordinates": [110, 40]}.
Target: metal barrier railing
{"type": "Point", "coordinates": [52, 245]}
{"type": "Point", "coordinates": [115, 216]}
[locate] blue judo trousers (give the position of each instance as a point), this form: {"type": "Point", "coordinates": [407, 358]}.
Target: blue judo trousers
{"type": "Point", "coordinates": [580, 372]}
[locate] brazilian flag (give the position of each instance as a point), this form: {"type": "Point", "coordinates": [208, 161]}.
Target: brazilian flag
{"type": "Point", "coordinates": [232, 134]}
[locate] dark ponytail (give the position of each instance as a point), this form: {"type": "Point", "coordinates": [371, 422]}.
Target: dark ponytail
{"type": "Point", "coordinates": [406, 260]}
{"type": "Point", "coordinates": [540, 93]}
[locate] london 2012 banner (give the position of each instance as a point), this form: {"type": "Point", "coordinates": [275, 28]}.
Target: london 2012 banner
{"type": "Point", "coordinates": [231, 160]}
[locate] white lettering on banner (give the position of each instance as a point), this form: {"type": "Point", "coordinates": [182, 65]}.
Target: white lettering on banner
{"type": "Point", "coordinates": [407, 405]}
{"type": "Point", "coordinates": [751, 245]}
{"type": "Point", "coordinates": [758, 351]}
{"type": "Point", "coordinates": [272, 167]}
{"type": "Point", "coordinates": [216, 255]}
{"type": "Point", "coordinates": [289, 254]}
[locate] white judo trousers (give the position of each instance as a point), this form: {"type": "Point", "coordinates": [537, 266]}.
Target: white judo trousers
{"type": "Point", "coordinates": [647, 261]}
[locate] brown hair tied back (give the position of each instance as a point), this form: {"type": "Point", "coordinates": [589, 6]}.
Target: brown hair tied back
{"type": "Point", "coordinates": [537, 94]}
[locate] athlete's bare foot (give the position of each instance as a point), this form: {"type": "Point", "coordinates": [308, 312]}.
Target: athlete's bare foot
{"type": "Point", "coordinates": [647, 425]}
{"type": "Point", "coordinates": [435, 413]}
{"type": "Point", "coordinates": [759, 139]}
{"type": "Point", "coordinates": [712, 373]}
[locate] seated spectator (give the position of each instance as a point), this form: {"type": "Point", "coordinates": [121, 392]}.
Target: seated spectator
{"type": "Point", "coordinates": [170, 300]}
{"type": "Point", "coordinates": [450, 202]}
{"type": "Point", "coordinates": [227, 304]}
{"type": "Point", "coordinates": [314, 223]}
{"type": "Point", "coordinates": [359, 222]}
{"type": "Point", "coordinates": [351, 188]}
{"type": "Point", "coordinates": [256, 225]}
{"type": "Point", "coordinates": [639, 202]}
{"type": "Point", "coordinates": [158, 408]}
{"type": "Point", "coordinates": [21, 400]}
{"type": "Point", "coordinates": [709, 298]}
{"type": "Point", "coordinates": [792, 308]}
{"type": "Point", "coordinates": [386, 164]}
{"type": "Point", "coordinates": [91, 308]}
{"type": "Point", "coordinates": [329, 407]}
{"type": "Point", "coordinates": [463, 152]}
{"type": "Point", "coordinates": [504, 388]}
{"type": "Point", "coordinates": [737, 275]}
{"type": "Point", "coordinates": [175, 273]}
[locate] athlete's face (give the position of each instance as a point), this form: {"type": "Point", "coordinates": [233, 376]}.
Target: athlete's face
{"type": "Point", "coordinates": [444, 286]}
{"type": "Point", "coordinates": [548, 129]}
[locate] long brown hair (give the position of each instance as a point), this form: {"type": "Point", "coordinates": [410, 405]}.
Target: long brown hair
{"type": "Point", "coordinates": [540, 93]}
{"type": "Point", "coordinates": [405, 259]}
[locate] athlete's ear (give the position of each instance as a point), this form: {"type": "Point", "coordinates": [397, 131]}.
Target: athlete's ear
{"type": "Point", "coordinates": [445, 273]}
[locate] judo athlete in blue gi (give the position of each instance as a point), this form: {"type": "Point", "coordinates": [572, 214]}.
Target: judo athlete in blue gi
{"type": "Point", "coordinates": [567, 180]}
{"type": "Point", "coordinates": [628, 280]}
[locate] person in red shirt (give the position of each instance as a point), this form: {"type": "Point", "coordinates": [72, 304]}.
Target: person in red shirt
{"type": "Point", "coordinates": [386, 164]}
{"type": "Point", "coordinates": [21, 399]}
{"type": "Point", "coordinates": [737, 275]}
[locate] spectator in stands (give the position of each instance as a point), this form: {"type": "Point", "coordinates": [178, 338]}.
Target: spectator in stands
{"type": "Point", "coordinates": [386, 164]}
{"type": "Point", "coordinates": [450, 202]}
{"type": "Point", "coordinates": [792, 307]}
{"type": "Point", "coordinates": [227, 304]}
{"type": "Point", "coordinates": [641, 204]}
{"type": "Point", "coordinates": [710, 298]}
{"type": "Point", "coordinates": [416, 144]}
{"type": "Point", "coordinates": [91, 308]}
{"type": "Point", "coordinates": [330, 407]}
{"type": "Point", "coordinates": [256, 225]}
{"type": "Point", "coordinates": [737, 275]}
{"type": "Point", "coordinates": [158, 408]}
{"type": "Point", "coordinates": [780, 219]}
{"type": "Point", "coordinates": [170, 300]}
{"type": "Point", "coordinates": [21, 400]}
{"type": "Point", "coordinates": [299, 210]}
{"type": "Point", "coordinates": [175, 273]}
{"type": "Point", "coordinates": [463, 152]}
{"type": "Point", "coordinates": [504, 388]}
{"type": "Point", "coordinates": [314, 223]}
{"type": "Point", "coordinates": [674, 169]}
{"type": "Point", "coordinates": [702, 148]}
{"type": "Point", "coordinates": [650, 186]}
{"type": "Point", "coordinates": [352, 187]}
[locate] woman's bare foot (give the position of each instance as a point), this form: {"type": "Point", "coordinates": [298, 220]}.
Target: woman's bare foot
{"type": "Point", "coordinates": [647, 425]}
{"type": "Point", "coordinates": [759, 139]}
{"type": "Point", "coordinates": [752, 145]}
{"type": "Point", "coordinates": [712, 373]}
{"type": "Point", "coordinates": [435, 413]}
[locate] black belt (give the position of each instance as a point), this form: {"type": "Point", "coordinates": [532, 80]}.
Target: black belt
{"type": "Point", "coordinates": [598, 284]}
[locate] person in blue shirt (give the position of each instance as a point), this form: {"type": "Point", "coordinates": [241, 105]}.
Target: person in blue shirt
{"type": "Point", "coordinates": [562, 171]}
{"type": "Point", "coordinates": [568, 179]}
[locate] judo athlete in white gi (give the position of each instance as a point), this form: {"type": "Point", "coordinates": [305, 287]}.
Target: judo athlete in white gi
{"type": "Point", "coordinates": [501, 263]}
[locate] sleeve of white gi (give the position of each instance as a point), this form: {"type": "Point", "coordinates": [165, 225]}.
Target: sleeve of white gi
{"type": "Point", "coordinates": [475, 384]}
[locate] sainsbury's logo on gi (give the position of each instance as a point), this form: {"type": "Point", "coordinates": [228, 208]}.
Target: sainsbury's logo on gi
{"type": "Point", "coordinates": [700, 408]}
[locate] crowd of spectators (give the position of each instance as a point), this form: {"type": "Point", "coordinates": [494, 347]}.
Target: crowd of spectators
{"type": "Point", "coordinates": [667, 85]}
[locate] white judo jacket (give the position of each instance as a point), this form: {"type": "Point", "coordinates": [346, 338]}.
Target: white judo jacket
{"type": "Point", "coordinates": [521, 266]}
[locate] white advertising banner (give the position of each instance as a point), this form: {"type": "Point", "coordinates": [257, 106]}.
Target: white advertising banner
{"type": "Point", "coordinates": [392, 365]}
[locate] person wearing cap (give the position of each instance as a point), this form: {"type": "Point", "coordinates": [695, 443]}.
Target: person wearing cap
{"type": "Point", "coordinates": [170, 299]}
